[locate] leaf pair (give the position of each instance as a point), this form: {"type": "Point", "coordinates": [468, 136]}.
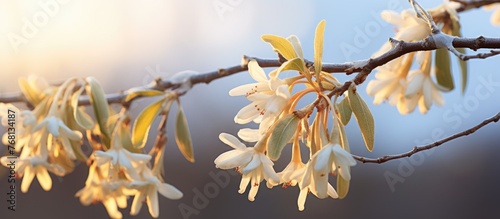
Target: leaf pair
{"type": "Point", "coordinates": [146, 118]}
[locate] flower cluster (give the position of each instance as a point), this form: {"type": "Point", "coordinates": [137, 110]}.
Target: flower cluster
{"type": "Point", "coordinates": [395, 81]}
{"type": "Point", "coordinates": [48, 138]}
{"type": "Point", "coordinates": [273, 107]}
{"type": "Point", "coordinates": [118, 173]}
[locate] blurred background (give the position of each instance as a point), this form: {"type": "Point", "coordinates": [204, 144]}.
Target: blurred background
{"type": "Point", "coordinates": [129, 43]}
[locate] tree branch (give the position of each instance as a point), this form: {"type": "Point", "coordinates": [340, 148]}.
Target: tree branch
{"type": "Point", "coordinates": [471, 4]}
{"type": "Point", "coordinates": [417, 149]}
{"type": "Point", "coordinates": [364, 67]}
{"type": "Point", "coordinates": [480, 55]}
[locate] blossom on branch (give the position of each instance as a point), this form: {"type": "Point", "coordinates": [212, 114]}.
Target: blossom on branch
{"type": "Point", "coordinates": [254, 166]}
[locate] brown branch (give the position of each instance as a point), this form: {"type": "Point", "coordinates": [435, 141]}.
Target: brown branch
{"type": "Point", "coordinates": [480, 55]}
{"type": "Point", "coordinates": [417, 149]}
{"type": "Point", "coordinates": [471, 4]}
{"type": "Point", "coordinates": [364, 67]}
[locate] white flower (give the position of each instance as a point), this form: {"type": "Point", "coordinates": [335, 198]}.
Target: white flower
{"type": "Point", "coordinates": [332, 157]}
{"type": "Point", "coordinates": [422, 90]}
{"type": "Point", "coordinates": [409, 26]}
{"type": "Point", "coordinates": [255, 166]}
{"type": "Point", "coordinates": [315, 178]}
{"type": "Point", "coordinates": [311, 183]}
{"type": "Point", "coordinates": [147, 190]}
{"type": "Point", "coordinates": [121, 158]}
{"type": "Point", "coordinates": [389, 83]}
{"type": "Point", "coordinates": [31, 167]}
{"type": "Point", "coordinates": [268, 96]}
{"type": "Point", "coordinates": [292, 174]}
{"type": "Point", "coordinates": [56, 127]}
{"type": "Point", "coordinates": [98, 189]}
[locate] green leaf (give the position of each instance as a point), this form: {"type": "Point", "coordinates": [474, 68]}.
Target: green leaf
{"type": "Point", "coordinates": [443, 69]}
{"type": "Point", "coordinates": [318, 47]}
{"type": "Point", "coordinates": [143, 123]}
{"type": "Point", "coordinates": [463, 64]}
{"type": "Point", "coordinates": [183, 137]}
{"type": "Point", "coordinates": [345, 111]}
{"type": "Point", "coordinates": [280, 45]}
{"type": "Point", "coordinates": [126, 139]}
{"type": "Point", "coordinates": [81, 118]}
{"type": "Point", "coordinates": [133, 93]}
{"type": "Point", "coordinates": [281, 135]}
{"type": "Point", "coordinates": [363, 116]}
{"type": "Point", "coordinates": [296, 64]}
{"type": "Point", "coordinates": [463, 70]}
{"type": "Point", "coordinates": [100, 106]}
{"type": "Point", "coordinates": [342, 184]}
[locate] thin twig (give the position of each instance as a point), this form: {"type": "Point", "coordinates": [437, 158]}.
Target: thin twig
{"type": "Point", "coordinates": [400, 48]}
{"type": "Point", "coordinates": [417, 149]}
{"type": "Point", "coordinates": [481, 55]}
{"type": "Point", "coordinates": [471, 4]}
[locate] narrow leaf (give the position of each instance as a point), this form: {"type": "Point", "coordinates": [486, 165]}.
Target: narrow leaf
{"type": "Point", "coordinates": [133, 93]}
{"type": "Point", "coordinates": [345, 111]}
{"type": "Point", "coordinates": [280, 45]}
{"type": "Point", "coordinates": [463, 64]}
{"type": "Point", "coordinates": [183, 137]}
{"type": "Point", "coordinates": [81, 118]}
{"type": "Point", "coordinates": [363, 116]}
{"type": "Point", "coordinates": [143, 123]}
{"type": "Point", "coordinates": [318, 47]}
{"type": "Point", "coordinates": [463, 70]}
{"type": "Point", "coordinates": [295, 64]}
{"type": "Point", "coordinates": [100, 106]}
{"type": "Point", "coordinates": [443, 69]}
{"type": "Point", "coordinates": [281, 135]}
{"type": "Point", "coordinates": [342, 186]}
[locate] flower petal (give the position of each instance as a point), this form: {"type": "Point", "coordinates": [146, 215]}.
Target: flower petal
{"type": "Point", "coordinates": [231, 141]}
{"type": "Point", "coordinates": [249, 135]}
{"type": "Point", "coordinates": [43, 178]}
{"type": "Point", "coordinates": [256, 71]}
{"type": "Point", "coordinates": [254, 163]}
{"type": "Point", "coordinates": [246, 114]}
{"type": "Point", "coordinates": [331, 191]}
{"type": "Point", "coordinates": [245, 179]}
{"type": "Point", "coordinates": [152, 200]}
{"type": "Point", "coordinates": [233, 158]}
{"type": "Point", "coordinates": [29, 174]}
{"type": "Point", "coordinates": [301, 201]}
{"type": "Point", "coordinates": [67, 132]}
{"type": "Point", "coordinates": [169, 191]}
{"type": "Point", "coordinates": [137, 203]}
